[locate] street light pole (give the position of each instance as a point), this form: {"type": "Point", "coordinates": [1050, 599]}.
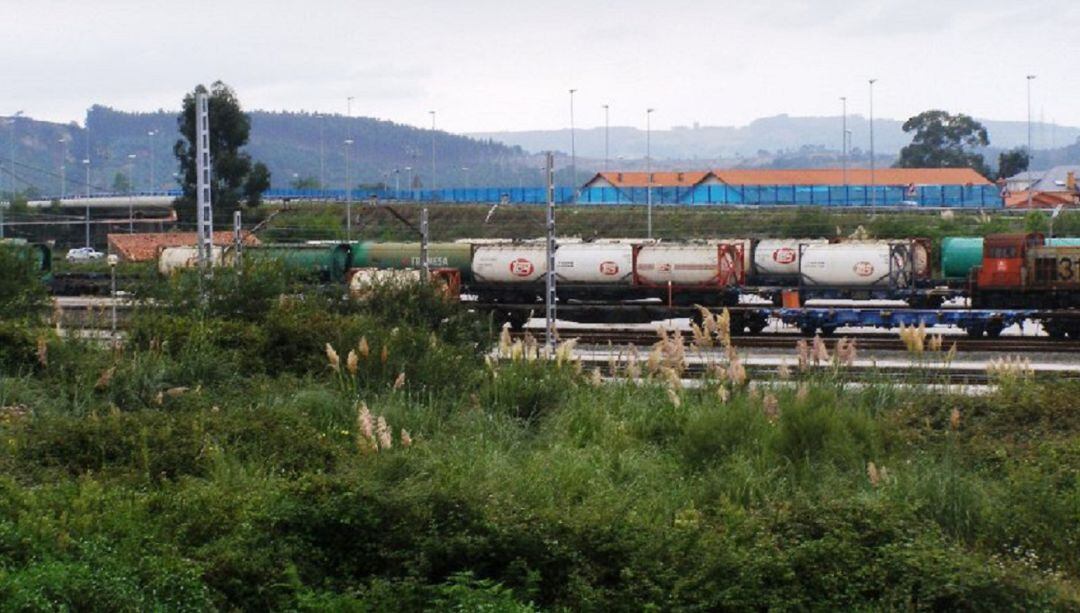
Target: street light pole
{"type": "Point", "coordinates": [131, 193]}
{"type": "Point", "coordinates": [86, 164]}
{"type": "Point", "coordinates": [432, 113]}
{"type": "Point", "coordinates": [348, 191]}
{"type": "Point", "coordinates": [150, 146]}
{"type": "Point", "coordinates": [843, 145]}
{"type": "Point", "coordinates": [63, 166]}
{"type": "Point", "coordinates": [573, 144]}
{"type": "Point", "coordinates": [873, 179]}
{"type": "Point", "coordinates": [648, 169]}
{"type": "Point", "coordinates": [1030, 151]}
{"type": "Point", "coordinates": [607, 140]}
{"type": "Point", "coordinates": [322, 152]}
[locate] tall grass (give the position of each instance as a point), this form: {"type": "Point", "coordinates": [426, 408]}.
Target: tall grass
{"type": "Point", "coordinates": [225, 459]}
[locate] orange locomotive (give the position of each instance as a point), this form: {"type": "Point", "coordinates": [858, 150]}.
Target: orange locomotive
{"type": "Point", "coordinates": [1021, 271]}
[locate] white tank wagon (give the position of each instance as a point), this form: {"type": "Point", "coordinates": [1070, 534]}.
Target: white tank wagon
{"type": "Point", "coordinates": [607, 263]}
{"type": "Point", "coordinates": [171, 259]}
{"type": "Point", "coordinates": [862, 265]}
{"type": "Point", "coordinates": [778, 258]}
{"type": "Point", "coordinates": [509, 263]}
{"type": "Point", "coordinates": [920, 252]}
{"type": "Point", "coordinates": [713, 264]}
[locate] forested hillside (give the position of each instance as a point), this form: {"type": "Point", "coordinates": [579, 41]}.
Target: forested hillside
{"type": "Point", "coordinates": [298, 147]}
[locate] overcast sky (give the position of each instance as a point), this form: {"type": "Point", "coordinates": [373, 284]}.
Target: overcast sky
{"type": "Point", "coordinates": [487, 65]}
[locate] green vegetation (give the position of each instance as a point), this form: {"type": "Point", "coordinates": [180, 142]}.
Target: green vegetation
{"type": "Point", "coordinates": [235, 180]}
{"type": "Point", "coordinates": [453, 221]}
{"type": "Point", "coordinates": [261, 449]}
{"type": "Point", "coordinates": [942, 140]}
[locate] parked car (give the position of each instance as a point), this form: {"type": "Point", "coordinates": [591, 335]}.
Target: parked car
{"type": "Point", "coordinates": [84, 254]}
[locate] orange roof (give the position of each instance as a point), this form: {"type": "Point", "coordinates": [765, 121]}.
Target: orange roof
{"type": "Point", "coordinates": [659, 179]}
{"type": "Point", "coordinates": [144, 247]}
{"type": "Point", "coordinates": [1018, 200]}
{"type": "Point", "coordinates": [855, 176]}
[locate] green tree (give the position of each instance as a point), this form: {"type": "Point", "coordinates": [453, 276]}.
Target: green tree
{"type": "Point", "coordinates": [943, 140]}
{"type": "Point", "coordinates": [121, 184]}
{"type": "Point", "coordinates": [234, 179]}
{"type": "Point", "coordinates": [305, 183]}
{"type": "Point", "coordinates": [22, 294]}
{"type": "Point", "coordinates": [1012, 162]}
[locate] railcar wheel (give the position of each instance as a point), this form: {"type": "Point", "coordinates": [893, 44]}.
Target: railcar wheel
{"type": "Point", "coordinates": [828, 331]}
{"type": "Point", "coordinates": [1055, 330]}
{"type": "Point", "coordinates": [516, 319]}
{"type": "Point", "coordinates": [993, 330]}
{"type": "Point", "coordinates": [808, 330]}
{"type": "Point", "coordinates": [756, 326]}
{"type": "Point", "coordinates": [975, 331]}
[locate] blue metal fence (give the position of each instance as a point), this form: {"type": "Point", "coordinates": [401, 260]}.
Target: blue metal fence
{"type": "Point", "coordinates": [936, 196]}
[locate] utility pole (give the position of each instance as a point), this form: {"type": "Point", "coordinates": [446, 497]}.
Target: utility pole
{"type": "Point", "coordinates": [86, 164]}
{"type": "Point", "coordinates": [607, 139]}
{"type": "Point", "coordinates": [1030, 151]}
{"type": "Point", "coordinates": [873, 179]}
{"type": "Point", "coordinates": [432, 154]}
{"type": "Point", "coordinates": [425, 264]}
{"type": "Point", "coordinates": [549, 277]}
{"type": "Point", "coordinates": [204, 206]}
{"type": "Point", "coordinates": [573, 148]}
{"type": "Point", "coordinates": [150, 146]}
{"type": "Point", "coordinates": [63, 166]}
{"type": "Point", "coordinates": [348, 191]}
{"type": "Point", "coordinates": [348, 172]}
{"type": "Point", "coordinates": [648, 170]}
{"type": "Point", "coordinates": [131, 192]}
{"type": "Point", "coordinates": [843, 145]}
{"type": "Point", "coordinates": [322, 152]}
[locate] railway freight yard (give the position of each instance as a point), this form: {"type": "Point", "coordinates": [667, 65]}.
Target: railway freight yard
{"type": "Point", "coordinates": [495, 307]}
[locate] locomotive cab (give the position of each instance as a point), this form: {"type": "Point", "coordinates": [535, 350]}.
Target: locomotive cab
{"type": "Point", "coordinates": [1003, 263]}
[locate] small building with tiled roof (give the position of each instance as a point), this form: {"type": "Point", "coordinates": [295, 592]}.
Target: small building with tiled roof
{"type": "Point", "coordinates": [144, 247]}
{"type": "Point", "coordinates": [1049, 188]}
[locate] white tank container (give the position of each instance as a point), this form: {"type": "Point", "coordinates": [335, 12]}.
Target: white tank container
{"type": "Point", "coordinates": [611, 263]}
{"type": "Point", "coordinates": [861, 264]}
{"type": "Point", "coordinates": [363, 279]}
{"type": "Point", "coordinates": [509, 263]}
{"type": "Point", "coordinates": [686, 264]}
{"type": "Point", "coordinates": [171, 259]}
{"type": "Point", "coordinates": [780, 256]}
{"type": "Point", "coordinates": [920, 258]}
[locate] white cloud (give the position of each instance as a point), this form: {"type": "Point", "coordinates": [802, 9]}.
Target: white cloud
{"type": "Point", "coordinates": [491, 65]}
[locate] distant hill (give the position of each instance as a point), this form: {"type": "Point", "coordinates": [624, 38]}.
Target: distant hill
{"type": "Point", "coordinates": [768, 136]}
{"type": "Point", "coordinates": [289, 143]}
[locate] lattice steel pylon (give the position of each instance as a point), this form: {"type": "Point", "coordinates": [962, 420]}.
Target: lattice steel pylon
{"type": "Point", "coordinates": [204, 207]}
{"type": "Point", "coordinates": [550, 294]}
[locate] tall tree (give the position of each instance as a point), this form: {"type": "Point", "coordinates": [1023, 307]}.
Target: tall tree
{"type": "Point", "coordinates": [1012, 162]}
{"type": "Point", "coordinates": [234, 179]}
{"type": "Point", "coordinates": [943, 140]}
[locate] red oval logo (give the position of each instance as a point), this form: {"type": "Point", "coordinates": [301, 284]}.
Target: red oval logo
{"type": "Point", "coordinates": [784, 255]}
{"type": "Point", "coordinates": [521, 267]}
{"type": "Point", "coordinates": [609, 268]}
{"type": "Point", "coordinates": [863, 269]}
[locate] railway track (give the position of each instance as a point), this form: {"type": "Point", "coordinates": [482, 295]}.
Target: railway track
{"type": "Point", "coordinates": [788, 341]}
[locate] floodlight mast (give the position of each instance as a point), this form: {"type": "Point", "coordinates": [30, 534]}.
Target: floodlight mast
{"type": "Point", "coordinates": [204, 206]}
